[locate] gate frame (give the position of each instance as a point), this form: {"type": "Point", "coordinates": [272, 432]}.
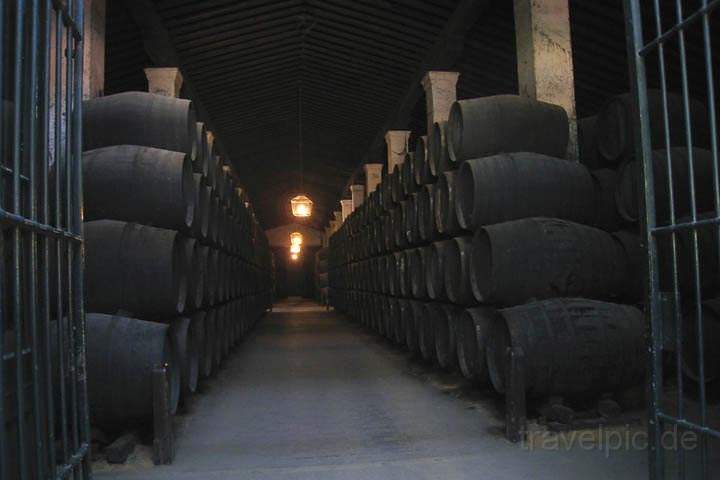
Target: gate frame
{"type": "Point", "coordinates": [638, 50]}
{"type": "Point", "coordinates": [45, 31]}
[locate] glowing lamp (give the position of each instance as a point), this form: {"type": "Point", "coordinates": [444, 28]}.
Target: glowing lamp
{"type": "Point", "coordinates": [301, 206]}
{"type": "Point", "coordinates": [296, 238]}
{"type": "Point", "coordinates": [294, 248]}
{"type": "Point", "coordinates": [294, 256]}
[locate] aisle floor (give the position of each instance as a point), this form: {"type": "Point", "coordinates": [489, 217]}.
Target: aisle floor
{"type": "Point", "coordinates": [310, 395]}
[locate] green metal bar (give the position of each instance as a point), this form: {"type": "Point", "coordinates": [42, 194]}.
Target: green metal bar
{"type": "Point", "coordinates": [636, 62]}
{"type": "Point", "coordinates": [17, 265]}
{"type": "Point", "coordinates": [40, 453]}
{"type": "Point", "coordinates": [45, 219]}
{"type": "Point", "coordinates": [58, 224]}
{"type": "Point", "coordinates": [3, 460]}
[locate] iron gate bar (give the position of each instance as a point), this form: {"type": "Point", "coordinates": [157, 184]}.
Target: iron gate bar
{"type": "Point", "coordinates": [639, 50]}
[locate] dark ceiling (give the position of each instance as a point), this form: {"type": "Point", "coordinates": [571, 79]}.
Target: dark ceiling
{"type": "Point", "coordinates": [301, 91]}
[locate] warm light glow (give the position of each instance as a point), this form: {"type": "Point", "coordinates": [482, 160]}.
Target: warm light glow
{"type": "Point", "coordinates": [296, 238]}
{"type": "Point", "coordinates": [294, 248]}
{"type": "Point", "coordinates": [301, 206]}
{"type": "Point", "coordinates": [294, 256]}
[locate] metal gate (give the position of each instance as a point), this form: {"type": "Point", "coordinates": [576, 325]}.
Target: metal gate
{"type": "Point", "coordinates": [671, 51]}
{"type": "Point", "coordinates": [43, 400]}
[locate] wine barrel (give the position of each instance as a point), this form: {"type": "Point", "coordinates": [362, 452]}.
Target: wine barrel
{"type": "Point", "coordinates": [456, 270]}
{"type": "Point", "coordinates": [397, 221]}
{"type": "Point", "coordinates": [408, 176]}
{"type": "Point", "coordinates": [472, 328]}
{"type": "Point", "coordinates": [444, 335]}
{"type": "Point", "coordinates": [412, 326]}
{"type": "Point", "coordinates": [587, 143]}
{"type": "Point", "coordinates": [439, 156]}
{"type": "Point", "coordinates": [201, 219]}
{"type": "Point", "coordinates": [427, 229]}
{"type": "Point", "coordinates": [196, 278]}
{"type": "Point", "coordinates": [187, 354]}
{"type": "Point", "coordinates": [519, 185]}
{"type": "Point", "coordinates": [200, 165]}
{"type": "Point", "coordinates": [213, 276]}
{"type": "Point", "coordinates": [403, 312]}
{"type": "Point", "coordinates": [140, 118]}
{"type": "Point", "coordinates": [710, 314]}
{"type": "Point", "coordinates": [199, 325]}
{"type": "Point", "coordinates": [571, 346]}
{"type": "Point", "coordinates": [629, 184]}
{"type": "Point", "coordinates": [403, 272]}
{"type": "Point", "coordinates": [480, 127]}
{"type": "Point", "coordinates": [121, 354]}
{"type": "Point", "coordinates": [607, 217]}
{"type": "Point", "coordinates": [537, 258]}
{"type": "Point", "coordinates": [635, 259]}
{"type": "Point", "coordinates": [209, 280]}
{"type": "Point", "coordinates": [134, 268]}
{"type": "Point", "coordinates": [417, 259]}
{"type": "Point", "coordinates": [435, 270]}
{"type": "Point", "coordinates": [446, 218]}
{"type": "Point", "coordinates": [616, 137]}
{"type": "Point", "coordinates": [421, 161]}
{"type": "Point", "coordinates": [161, 183]}
{"type": "Point", "coordinates": [430, 312]}
{"type": "Point", "coordinates": [410, 217]}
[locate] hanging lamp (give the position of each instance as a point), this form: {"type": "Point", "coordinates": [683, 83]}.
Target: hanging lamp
{"type": "Point", "coordinates": [301, 205]}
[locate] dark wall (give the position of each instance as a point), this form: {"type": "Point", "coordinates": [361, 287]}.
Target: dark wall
{"type": "Point", "coordinates": [295, 278]}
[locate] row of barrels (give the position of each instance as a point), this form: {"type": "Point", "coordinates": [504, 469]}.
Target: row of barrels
{"type": "Point", "coordinates": [583, 333]}
{"type": "Point", "coordinates": [504, 229]}
{"type": "Point", "coordinates": [177, 269]}
{"type": "Point", "coordinates": [122, 352]}
{"type": "Point", "coordinates": [321, 275]}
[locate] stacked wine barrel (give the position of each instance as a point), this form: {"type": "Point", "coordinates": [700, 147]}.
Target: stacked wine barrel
{"type": "Point", "coordinates": [608, 147]}
{"type": "Point", "coordinates": [321, 275]}
{"type": "Point", "coordinates": [177, 269]}
{"type": "Point", "coordinates": [488, 240]}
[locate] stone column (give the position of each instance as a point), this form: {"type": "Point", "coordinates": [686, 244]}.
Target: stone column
{"type": "Point", "coordinates": [347, 208]}
{"type": "Point", "coordinates": [545, 63]}
{"type": "Point", "coordinates": [210, 139]}
{"type": "Point", "coordinates": [164, 81]}
{"type": "Point", "coordinates": [440, 94]}
{"type": "Point", "coordinates": [373, 176]}
{"type": "Point", "coordinates": [358, 195]}
{"type": "Point", "coordinates": [397, 147]}
{"type": "Point", "coordinates": [94, 49]}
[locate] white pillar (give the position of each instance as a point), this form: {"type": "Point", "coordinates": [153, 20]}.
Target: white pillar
{"type": "Point", "coordinates": [358, 195]}
{"type": "Point", "coordinates": [440, 94]}
{"type": "Point", "coordinates": [94, 49]}
{"type": "Point", "coordinates": [397, 147]}
{"type": "Point", "coordinates": [545, 64]}
{"type": "Point", "coordinates": [373, 176]}
{"type": "Point", "coordinates": [164, 81]}
{"type": "Point", "coordinates": [210, 139]}
{"type": "Point", "coordinates": [346, 208]}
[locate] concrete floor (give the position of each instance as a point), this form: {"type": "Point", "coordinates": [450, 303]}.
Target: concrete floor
{"type": "Point", "coordinates": [311, 396]}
